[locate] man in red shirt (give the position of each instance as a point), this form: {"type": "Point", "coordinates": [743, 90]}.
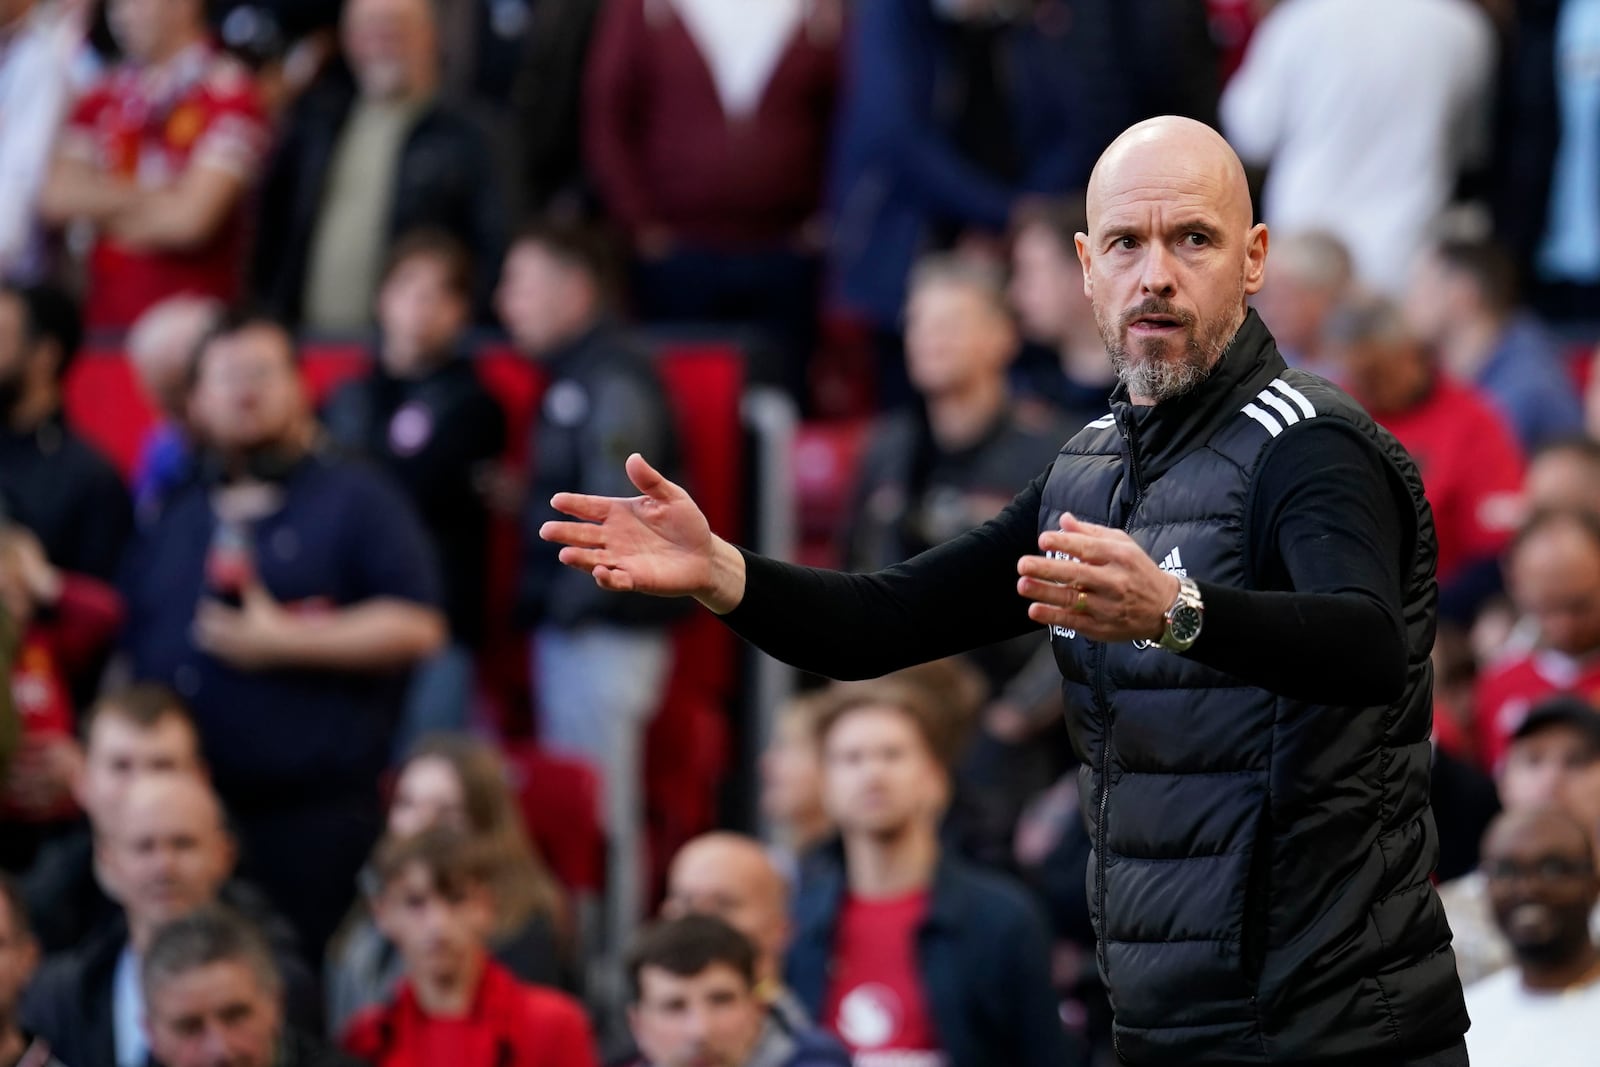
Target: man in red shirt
{"type": "Point", "coordinates": [1471, 465]}
{"type": "Point", "coordinates": [910, 956]}
{"type": "Point", "coordinates": [1554, 569]}
{"type": "Point", "coordinates": [455, 1005]}
{"type": "Point", "coordinates": [157, 158]}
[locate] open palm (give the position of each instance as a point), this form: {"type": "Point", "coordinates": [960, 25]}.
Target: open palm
{"type": "Point", "coordinates": [658, 542]}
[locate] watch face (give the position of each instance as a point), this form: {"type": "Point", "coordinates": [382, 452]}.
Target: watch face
{"type": "Point", "coordinates": [1185, 623]}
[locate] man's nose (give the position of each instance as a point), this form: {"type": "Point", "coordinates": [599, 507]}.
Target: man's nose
{"type": "Point", "coordinates": [1159, 278]}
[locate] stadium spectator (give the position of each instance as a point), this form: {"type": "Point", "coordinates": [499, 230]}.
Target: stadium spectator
{"type": "Point", "coordinates": [127, 734]}
{"type": "Point", "coordinates": [1564, 475]}
{"type": "Point", "coordinates": [695, 999]}
{"type": "Point", "coordinates": [163, 855]}
{"type": "Point", "coordinates": [730, 876]}
{"type": "Point", "coordinates": [1311, 276]}
{"type": "Point", "coordinates": [51, 480]}
{"type": "Point", "coordinates": [361, 164]}
{"type": "Point", "coordinates": [455, 1004]}
{"type": "Point", "coordinates": [718, 179]}
{"type": "Point", "coordinates": [1470, 463]}
{"type": "Point", "coordinates": [161, 348]}
{"type": "Point", "coordinates": [423, 416]}
{"type": "Point", "coordinates": [901, 949]}
{"type": "Point", "coordinates": [19, 959]}
{"type": "Point", "coordinates": [953, 115]}
{"type": "Point", "coordinates": [459, 783]}
{"type": "Point", "coordinates": [284, 594]}
{"type": "Point", "coordinates": [1544, 884]}
{"type": "Point", "coordinates": [43, 38]}
{"type": "Point", "coordinates": [213, 997]}
{"type": "Point", "coordinates": [1554, 576]}
{"type": "Point", "coordinates": [1553, 758]}
{"type": "Point", "coordinates": [1047, 294]}
{"type": "Point", "coordinates": [65, 623]}
{"type": "Point", "coordinates": [791, 788]}
{"type": "Point", "coordinates": [159, 158]}
{"type": "Point", "coordinates": [599, 663]}
{"type": "Point", "coordinates": [1463, 302]}
{"type": "Point", "coordinates": [1364, 113]}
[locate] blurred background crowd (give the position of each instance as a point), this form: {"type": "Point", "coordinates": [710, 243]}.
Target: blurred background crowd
{"type": "Point", "coordinates": [307, 308]}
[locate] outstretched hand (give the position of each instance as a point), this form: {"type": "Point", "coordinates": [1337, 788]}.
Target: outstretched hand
{"type": "Point", "coordinates": [657, 543]}
{"type": "Point", "coordinates": [1097, 581]}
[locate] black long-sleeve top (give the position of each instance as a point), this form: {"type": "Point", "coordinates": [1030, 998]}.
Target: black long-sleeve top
{"type": "Point", "coordinates": [1323, 622]}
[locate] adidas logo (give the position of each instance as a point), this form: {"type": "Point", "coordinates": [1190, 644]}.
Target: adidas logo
{"type": "Point", "coordinates": [1173, 564]}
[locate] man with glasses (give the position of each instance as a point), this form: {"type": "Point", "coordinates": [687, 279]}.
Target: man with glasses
{"type": "Point", "coordinates": [1543, 885]}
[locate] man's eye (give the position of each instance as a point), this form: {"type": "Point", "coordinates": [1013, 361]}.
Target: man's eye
{"type": "Point", "coordinates": [1196, 240]}
{"type": "Point", "coordinates": [1127, 244]}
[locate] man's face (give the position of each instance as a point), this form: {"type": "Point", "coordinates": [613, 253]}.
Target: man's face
{"type": "Point", "coordinates": [1294, 312]}
{"type": "Point", "coordinates": [735, 883]}
{"type": "Point", "coordinates": [1562, 479]}
{"type": "Point", "coordinates": [216, 1015]}
{"type": "Point", "coordinates": [1555, 580]}
{"type": "Point", "coordinates": [1542, 887]}
{"type": "Point", "coordinates": [1047, 286]}
{"type": "Point", "coordinates": [145, 29]}
{"type": "Point", "coordinates": [954, 336]}
{"type": "Point", "coordinates": [166, 854]}
{"type": "Point", "coordinates": [388, 43]}
{"type": "Point", "coordinates": [1379, 375]}
{"type": "Point", "coordinates": [120, 751]}
{"type": "Point", "coordinates": [1168, 262]}
{"type": "Point", "coordinates": [248, 393]}
{"type": "Point", "coordinates": [439, 931]}
{"type": "Point", "coordinates": [791, 774]}
{"type": "Point", "coordinates": [19, 957]}
{"type": "Point", "coordinates": [878, 776]}
{"type": "Point", "coordinates": [1541, 767]}
{"type": "Point", "coordinates": [428, 794]}
{"type": "Point", "coordinates": [536, 290]}
{"type": "Point", "coordinates": [1433, 299]}
{"type": "Point", "coordinates": [419, 315]}
{"type": "Point", "coordinates": [712, 1019]}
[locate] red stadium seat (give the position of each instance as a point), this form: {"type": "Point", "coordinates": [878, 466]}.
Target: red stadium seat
{"type": "Point", "coordinates": [826, 457]}
{"type": "Point", "coordinates": [560, 803]}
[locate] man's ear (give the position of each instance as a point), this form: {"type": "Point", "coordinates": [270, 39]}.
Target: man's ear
{"type": "Point", "coordinates": [1085, 260]}
{"type": "Point", "coordinates": [1255, 259]}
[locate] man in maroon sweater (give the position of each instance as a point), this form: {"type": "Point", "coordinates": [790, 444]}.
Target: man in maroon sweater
{"type": "Point", "coordinates": [706, 124]}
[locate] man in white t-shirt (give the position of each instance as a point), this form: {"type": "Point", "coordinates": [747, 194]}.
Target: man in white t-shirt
{"type": "Point", "coordinates": [1543, 883]}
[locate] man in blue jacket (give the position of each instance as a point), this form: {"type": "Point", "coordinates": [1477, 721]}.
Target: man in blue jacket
{"type": "Point", "coordinates": [912, 957]}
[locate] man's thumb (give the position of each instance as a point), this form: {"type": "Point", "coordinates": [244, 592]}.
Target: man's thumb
{"type": "Point", "coordinates": [647, 479]}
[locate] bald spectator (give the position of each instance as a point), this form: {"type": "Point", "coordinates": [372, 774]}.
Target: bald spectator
{"type": "Point", "coordinates": [1046, 292]}
{"type": "Point", "coordinates": [1364, 113]}
{"type": "Point", "coordinates": [1554, 577]}
{"type": "Point", "coordinates": [1463, 302]}
{"type": "Point", "coordinates": [1544, 884]}
{"type": "Point", "coordinates": [1311, 275]}
{"type": "Point", "coordinates": [43, 38]}
{"type": "Point", "coordinates": [164, 853]}
{"type": "Point", "coordinates": [362, 163]}
{"type": "Point", "coordinates": [730, 876]}
{"type": "Point", "coordinates": [1471, 465]}
{"type": "Point", "coordinates": [165, 198]}
{"type": "Point", "coordinates": [1553, 759]}
{"type": "Point", "coordinates": [51, 480]}
{"type": "Point", "coordinates": [162, 347]}
{"type": "Point", "coordinates": [19, 959]}
{"type": "Point", "coordinates": [128, 734]}
{"type": "Point", "coordinates": [213, 997]}
{"type": "Point", "coordinates": [1564, 476]}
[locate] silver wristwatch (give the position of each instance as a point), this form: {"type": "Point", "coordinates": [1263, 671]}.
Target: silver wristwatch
{"type": "Point", "coordinates": [1183, 619]}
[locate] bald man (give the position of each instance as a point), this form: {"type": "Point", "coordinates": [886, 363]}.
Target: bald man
{"type": "Point", "coordinates": [732, 877]}
{"type": "Point", "coordinates": [165, 853]}
{"type": "Point", "coordinates": [1234, 565]}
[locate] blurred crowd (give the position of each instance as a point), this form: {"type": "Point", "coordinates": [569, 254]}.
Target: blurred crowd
{"type": "Point", "coordinates": [258, 805]}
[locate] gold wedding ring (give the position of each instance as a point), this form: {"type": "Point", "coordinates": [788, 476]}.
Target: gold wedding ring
{"type": "Point", "coordinates": [1082, 603]}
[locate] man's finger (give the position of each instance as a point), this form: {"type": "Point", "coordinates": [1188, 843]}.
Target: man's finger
{"type": "Point", "coordinates": [1064, 573]}
{"type": "Point", "coordinates": [577, 534]}
{"type": "Point", "coordinates": [581, 506]}
{"type": "Point", "coordinates": [583, 558]}
{"type": "Point", "coordinates": [1072, 524]}
{"type": "Point", "coordinates": [1084, 547]}
{"type": "Point", "coordinates": [615, 580]}
{"type": "Point", "coordinates": [649, 481]}
{"type": "Point", "coordinates": [1054, 594]}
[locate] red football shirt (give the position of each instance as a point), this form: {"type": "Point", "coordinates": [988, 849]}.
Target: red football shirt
{"type": "Point", "coordinates": [875, 1002]}
{"type": "Point", "coordinates": [1506, 693]}
{"type": "Point", "coordinates": [149, 125]}
{"type": "Point", "coordinates": [1471, 471]}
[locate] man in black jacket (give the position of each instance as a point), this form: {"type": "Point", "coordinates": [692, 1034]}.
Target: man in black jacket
{"type": "Point", "coordinates": [600, 663]}
{"type": "Point", "coordinates": [365, 158]}
{"type": "Point", "coordinates": [1252, 711]}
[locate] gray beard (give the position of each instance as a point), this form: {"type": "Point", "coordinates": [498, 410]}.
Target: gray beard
{"type": "Point", "coordinates": [1159, 380]}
